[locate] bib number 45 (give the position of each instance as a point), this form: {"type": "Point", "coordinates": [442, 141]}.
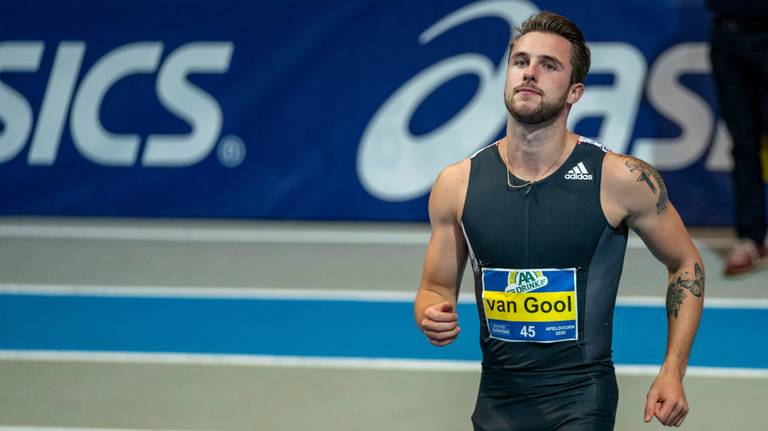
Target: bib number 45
{"type": "Point", "coordinates": [528, 331]}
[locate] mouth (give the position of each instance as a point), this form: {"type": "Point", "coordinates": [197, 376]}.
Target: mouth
{"type": "Point", "coordinates": [527, 91]}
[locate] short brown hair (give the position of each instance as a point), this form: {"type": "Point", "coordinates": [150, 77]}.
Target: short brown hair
{"type": "Point", "coordinates": [548, 22]}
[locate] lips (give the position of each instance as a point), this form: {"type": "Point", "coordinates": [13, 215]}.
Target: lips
{"type": "Point", "coordinates": [527, 90]}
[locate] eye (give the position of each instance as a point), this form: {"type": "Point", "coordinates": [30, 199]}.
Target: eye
{"type": "Point", "coordinates": [550, 66]}
{"type": "Point", "coordinates": [519, 60]}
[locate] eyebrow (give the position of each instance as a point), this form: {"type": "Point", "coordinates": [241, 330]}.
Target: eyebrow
{"type": "Point", "coordinates": [540, 57]}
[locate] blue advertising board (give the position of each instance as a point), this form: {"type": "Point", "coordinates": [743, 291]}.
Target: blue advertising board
{"type": "Point", "coordinates": [331, 110]}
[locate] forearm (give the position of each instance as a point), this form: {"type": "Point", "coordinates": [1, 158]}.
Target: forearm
{"type": "Point", "coordinates": [685, 299]}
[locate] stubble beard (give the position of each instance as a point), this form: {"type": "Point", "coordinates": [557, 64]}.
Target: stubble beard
{"type": "Point", "coordinates": [543, 113]}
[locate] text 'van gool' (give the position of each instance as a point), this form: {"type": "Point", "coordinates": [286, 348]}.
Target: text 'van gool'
{"type": "Point", "coordinates": [531, 305]}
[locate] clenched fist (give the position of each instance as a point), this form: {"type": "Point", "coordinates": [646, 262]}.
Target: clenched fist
{"type": "Point", "coordinates": [440, 324]}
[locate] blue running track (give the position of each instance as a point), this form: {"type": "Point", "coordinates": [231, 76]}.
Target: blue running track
{"type": "Point", "coordinates": [728, 337]}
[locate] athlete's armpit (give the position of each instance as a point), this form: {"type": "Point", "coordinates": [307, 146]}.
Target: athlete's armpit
{"type": "Point", "coordinates": [644, 173]}
{"type": "Point", "coordinates": [681, 282]}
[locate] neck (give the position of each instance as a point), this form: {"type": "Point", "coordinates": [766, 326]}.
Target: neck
{"type": "Point", "coordinates": [530, 150]}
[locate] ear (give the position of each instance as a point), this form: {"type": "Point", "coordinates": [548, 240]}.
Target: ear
{"type": "Point", "coordinates": [575, 93]}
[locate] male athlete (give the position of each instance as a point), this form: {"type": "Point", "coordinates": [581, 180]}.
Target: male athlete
{"type": "Point", "coordinates": [543, 215]}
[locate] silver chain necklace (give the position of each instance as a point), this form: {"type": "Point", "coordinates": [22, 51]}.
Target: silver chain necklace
{"type": "Point", "coordinates": [530, 183]}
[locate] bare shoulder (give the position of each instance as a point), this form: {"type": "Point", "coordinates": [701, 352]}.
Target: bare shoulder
{"type": "Point", "coordinates": [450, 189]}
{"type": "Point", "coordinates": [631, 187]}
{"type": "Point", "coordinates": [455, 174]}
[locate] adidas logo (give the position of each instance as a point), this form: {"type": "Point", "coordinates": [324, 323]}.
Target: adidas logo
{"type": "Point", "coordinates": [578, 172]}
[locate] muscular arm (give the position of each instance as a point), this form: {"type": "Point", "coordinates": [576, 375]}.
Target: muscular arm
{"type": "Point", "coordinates": [636, 194]}
{"type": "Point", "coordinates": [435, 304]}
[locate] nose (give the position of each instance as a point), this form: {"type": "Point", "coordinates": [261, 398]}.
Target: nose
{"type": "Point", "coordinates": [529, 75]}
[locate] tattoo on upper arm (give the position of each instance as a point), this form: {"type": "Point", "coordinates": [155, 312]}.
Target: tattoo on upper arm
{"type": "Point", "coordinates": [645, 173]}
{"type": "Point", "coordinates": [675, 293]}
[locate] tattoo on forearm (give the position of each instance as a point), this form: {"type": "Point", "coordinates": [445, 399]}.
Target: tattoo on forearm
{"type": "Point", "coordinates": [675, 296]}
{"type": "Point", "coordinates": [644, 175]}
{"type": "Point", "coordinates": [696, 286]}
{"type": "Point", "coordinates": [675, 292]}
{"type": "Point", "coordinates": [698, 274]}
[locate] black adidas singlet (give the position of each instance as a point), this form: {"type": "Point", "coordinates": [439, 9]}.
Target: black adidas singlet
{"type": "Point", "coordinates": [546, 265]}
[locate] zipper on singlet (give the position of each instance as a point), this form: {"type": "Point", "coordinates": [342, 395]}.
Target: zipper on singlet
{"type": "Point", "coordinates": [526, 232]}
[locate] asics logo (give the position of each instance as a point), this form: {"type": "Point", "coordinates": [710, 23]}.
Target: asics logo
{"type": "Point", "coordinates": [81, 104]}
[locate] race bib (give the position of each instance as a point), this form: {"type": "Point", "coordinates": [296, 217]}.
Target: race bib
{"type": "Point", "coordinates": [537, 305]}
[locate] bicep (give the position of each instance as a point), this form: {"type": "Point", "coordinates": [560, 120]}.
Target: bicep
{"type": "Point", "coordinates": [445, 259]}
{"type": "Point", "coordinates": [447, 250]}
{"type": "Point", "coordinates": [651, 215]}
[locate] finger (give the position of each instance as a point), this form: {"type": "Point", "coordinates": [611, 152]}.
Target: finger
{"type": "Point", "coordinates": [664, 411]}
{"type": "Point", "coordinates": [445, 307]}
{"type": "Point", "coordinates": [650, 406]}
{"type": "Point", "coordinates": [674, 415]}
{"type": "Point", "coordinates": [434, 314]}
{"type": "Point", "coordinates": [681, 419]}
{"type": "Point", "coordinates": [442, 343]}
{"type": "Point", "coordinates": [432, 325]}
{"type": "Point", "coordinates": [439, 336]}
{"type": "Point", "coordinates": [678, 414]}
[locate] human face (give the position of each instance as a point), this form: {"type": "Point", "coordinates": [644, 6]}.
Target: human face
{"type": "Point", "coordinates": [538, 86]}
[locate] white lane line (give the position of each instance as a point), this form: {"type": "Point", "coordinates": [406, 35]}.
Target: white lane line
{"type": "Point", "coordinates": [303, 235]}
{"type": "Point", "coordinates": [310, 294]}
{"type": "Point", "coordinates": [257, 234]}
{"type": "Point", "coordinates": [215, 292]}
{"type": "Point", "coordinates": [238, 360]}
{"type": "Point", "coordinates": [658, 301]}
{"type": "Point", "coordinates": [324, 362]}
{"type": "Point", "coordinates": [652, 370]}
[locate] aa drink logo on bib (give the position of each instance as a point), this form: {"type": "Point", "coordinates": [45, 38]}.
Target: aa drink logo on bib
{"type": "Point", "coordinates": [525, 281]}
